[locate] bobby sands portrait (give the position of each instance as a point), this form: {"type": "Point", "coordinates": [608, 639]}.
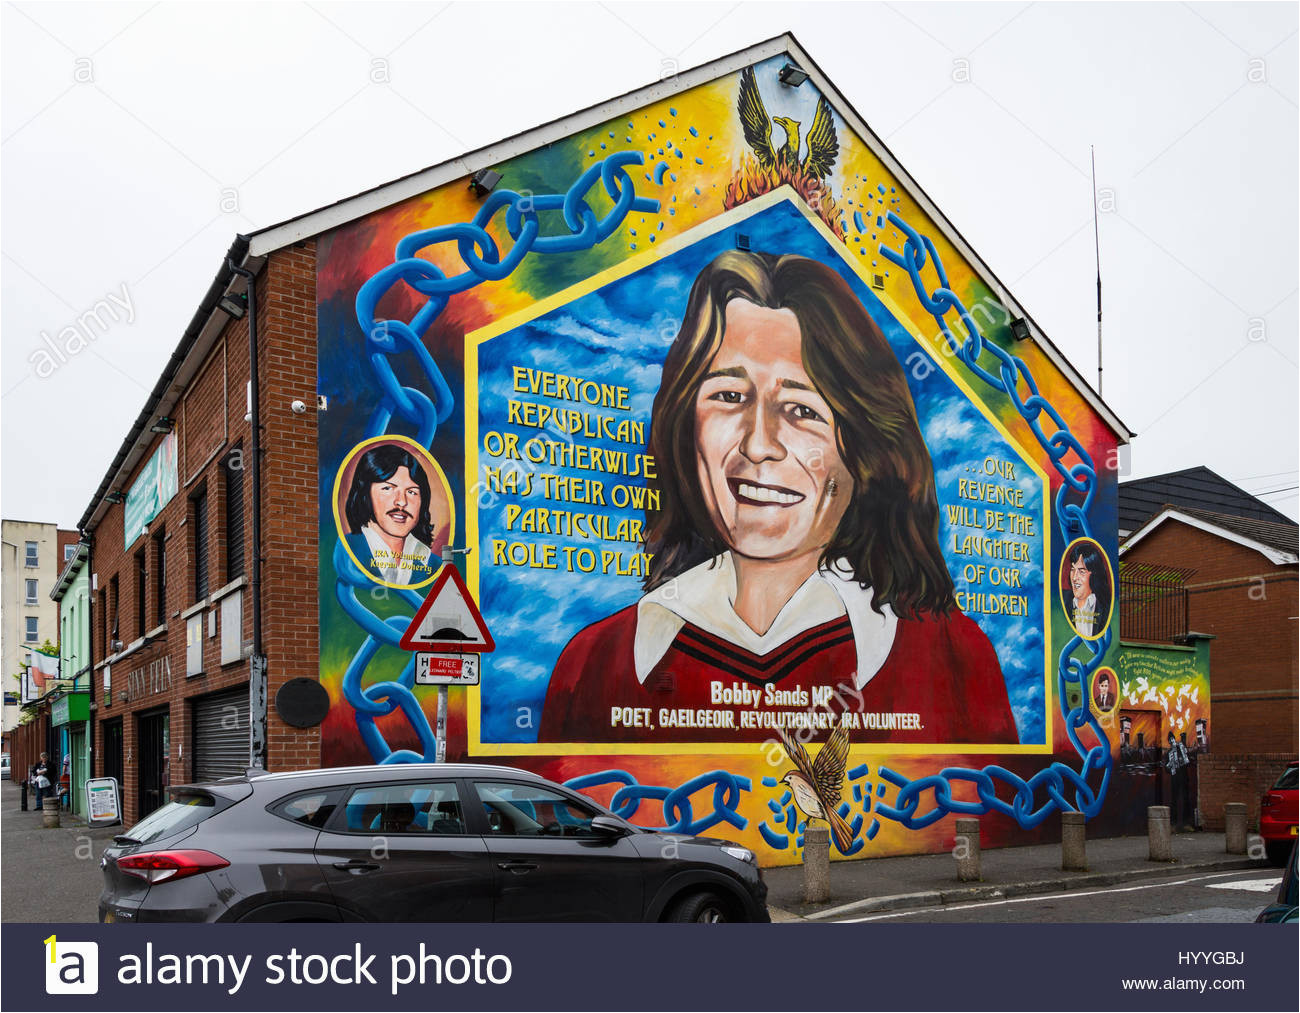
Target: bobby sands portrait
{"type": "Point", "coordinates": [795, 551]}
{"type": "Point", "coordinates": [1085, 588]}
{"type": "Point", "coordinates": [397, 520]}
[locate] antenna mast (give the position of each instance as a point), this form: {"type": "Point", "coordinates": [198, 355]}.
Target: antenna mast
{"type": "Point", "coordinates": [1096, 235]}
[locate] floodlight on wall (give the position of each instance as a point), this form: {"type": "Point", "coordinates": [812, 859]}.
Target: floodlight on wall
{"type": "Point", "coordinates": [792, 75]}
{"type": "Point", "coordinates": [1020, 328]}
{"type": "Point", "coordinates": [742, 241]}
{"type": "Point", "coordinates": [115, 497]}
{"type": "Point", "coordinates": [484, 182]}
{"type": "Point", "coordinates": [164, 425]}
{"type": "Point", "coordinates": [232, 304]}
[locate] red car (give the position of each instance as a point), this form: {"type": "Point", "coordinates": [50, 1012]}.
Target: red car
{"type": "Point", "coordinates": [1277, 815]}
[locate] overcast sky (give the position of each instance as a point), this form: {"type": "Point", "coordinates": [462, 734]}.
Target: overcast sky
{"type": "Point", "coordinates": [139, 138]}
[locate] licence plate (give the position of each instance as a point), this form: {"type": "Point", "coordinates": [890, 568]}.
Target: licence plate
{"type": "Point", "coordinates": [1293, 831]}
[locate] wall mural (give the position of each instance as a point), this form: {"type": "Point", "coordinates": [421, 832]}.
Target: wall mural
{"type": "Point", "coordinates": [761, 495]}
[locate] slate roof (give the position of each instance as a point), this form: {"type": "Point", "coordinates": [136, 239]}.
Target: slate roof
{"type": "Point", "coordinates": [1192, 489]}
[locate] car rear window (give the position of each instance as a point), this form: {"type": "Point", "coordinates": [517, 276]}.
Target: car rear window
{"type": "Point", "coordinates": [1288, 779]}
{"type": "Point", "coordinates": [181, 813]}
{"type": "Point", "coordinates": [311, 809]}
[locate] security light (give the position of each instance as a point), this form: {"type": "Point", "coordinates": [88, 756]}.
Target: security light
{"type": "Point", "coordinates": [484, 181]}
{"type": "Point", "coordinates": [792, 75]}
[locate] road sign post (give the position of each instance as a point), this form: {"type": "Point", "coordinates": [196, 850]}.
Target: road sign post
{"type": "Point", "coordinates": [448, 634]}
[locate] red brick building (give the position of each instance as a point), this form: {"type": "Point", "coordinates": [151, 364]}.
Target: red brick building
{"type": "Point", "coordinates": [1241, 588]}
{"type": "Point", "coordinates": [173, 624]}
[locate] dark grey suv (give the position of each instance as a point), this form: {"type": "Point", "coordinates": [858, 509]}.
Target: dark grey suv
{"type": "Point", "coordinates": [419, 843]}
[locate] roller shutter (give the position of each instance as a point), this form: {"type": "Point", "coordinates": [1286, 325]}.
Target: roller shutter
{"type": "Point", "coordinates": [221, 731]}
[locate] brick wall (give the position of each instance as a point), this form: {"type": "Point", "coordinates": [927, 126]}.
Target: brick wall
{"type": "Point", "coordinates": [1249, 605]}
{"type": "Point", "coordinates": [1227, 777]}
{"type": "Point", "coordinates": [210, 424]}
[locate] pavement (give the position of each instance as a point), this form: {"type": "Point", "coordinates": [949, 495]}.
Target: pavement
{"type": "Point", "coordinates": [48, 875]}
{"type": "Point", "coordinates": [916, 882]}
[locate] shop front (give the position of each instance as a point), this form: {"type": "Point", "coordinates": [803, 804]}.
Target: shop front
{"type": "Point", "coordinates": [70, 716]}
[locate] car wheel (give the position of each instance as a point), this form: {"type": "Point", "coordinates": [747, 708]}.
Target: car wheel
{"type": "Point", "coordinates": [704, 906]}
{"type": "Point", "coordinates": [1278, 852]}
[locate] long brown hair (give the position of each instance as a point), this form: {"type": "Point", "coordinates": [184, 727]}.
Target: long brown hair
{"type": "Point", "coordinates": [889, 535]}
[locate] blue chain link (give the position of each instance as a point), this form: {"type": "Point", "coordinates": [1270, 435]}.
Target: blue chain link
{"type": "Point", "coordinates": [677, 812]}
{"type": "Point", "coordinates": [386, 339]}
{"type": "Point", "coordinates": [1054, 781]}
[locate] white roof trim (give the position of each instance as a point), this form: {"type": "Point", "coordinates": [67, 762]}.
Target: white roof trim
{"type": "Point", "coordinates": [1275, 556]}
{"type": "Point", "coordinates": [313, 223]}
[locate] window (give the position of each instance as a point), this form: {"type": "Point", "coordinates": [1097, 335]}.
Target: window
{"type": "Point", "coordinates": [69, 551]}
{"type": "Point", "coordinates": [115, 605]}
{"type": "Point", "coordinates": [232, 470]}
{"type": "Point", "coordinates": [32, 635]}
{"type": "Point", "coordinates": [201, 546]}
{"type": "Point", "coordinates": [33, 554]}
{"type": "Point", "coordinates": [311, 810]}
{"type": "Point", "coordinates": [416, 808]}
{"type": "Point", "coordinates": [30, 598]}
{"type": "Point", "coordinates": [141, 576]}
{"type": "Point", "coordinates": [160, 577]}
{"type": "Point", "coordinates": [527, 810]}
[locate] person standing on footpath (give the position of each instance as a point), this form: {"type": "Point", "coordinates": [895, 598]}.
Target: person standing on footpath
{"type": "Point", "coordinates": [1176, 761]}
{"type": "Point", "coordinates": [43, 781]}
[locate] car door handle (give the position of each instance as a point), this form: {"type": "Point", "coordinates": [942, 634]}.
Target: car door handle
{"type": "Point", "coordinates": [517, 867]}
{"type": "Point", "coordinates": [356, 865]}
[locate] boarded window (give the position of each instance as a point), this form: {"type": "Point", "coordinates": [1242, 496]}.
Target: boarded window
{"type": "Point", "coordinates": [201, 546]}
{"type": "Point", "coordinates": [233, 472]}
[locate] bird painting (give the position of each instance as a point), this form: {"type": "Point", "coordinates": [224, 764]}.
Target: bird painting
{"type": "Point", "coordinates": [818, 785]}
{"type": "Point", "coordinates": [822, 144]}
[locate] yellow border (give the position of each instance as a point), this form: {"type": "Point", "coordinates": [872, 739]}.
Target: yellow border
{"type": "Point", "coordinates": [423, 454]}
{"type": "Point", "coordinates": [1060, 590]}
{"type": "Point", "coordinates": [475, 747]}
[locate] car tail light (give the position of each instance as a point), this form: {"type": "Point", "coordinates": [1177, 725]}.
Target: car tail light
{"type": "Point", "coordinates": [160, 866]}
{"type": "Point", "coordinates": [1270, 799]}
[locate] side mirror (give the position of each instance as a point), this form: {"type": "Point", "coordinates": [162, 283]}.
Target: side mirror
{"type": "Point", "coordinates": [607, 826]}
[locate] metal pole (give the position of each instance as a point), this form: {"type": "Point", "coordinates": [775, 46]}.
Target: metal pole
{"type": "Point", "coordinates": [1096, 234]}
{"type": "Point", "coordinates": [441, 754]}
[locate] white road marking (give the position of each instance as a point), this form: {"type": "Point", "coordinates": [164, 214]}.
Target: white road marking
{"type": "Point", "coordinates": [1256, 885]}
{"type": "Point", "coordinates": [1035, 898]}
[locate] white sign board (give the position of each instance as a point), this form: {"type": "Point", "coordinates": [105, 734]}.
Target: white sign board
{"type": "Point", "coordinates": [102, 801]}
{"type": "Point", "coordinates": [446, 669]}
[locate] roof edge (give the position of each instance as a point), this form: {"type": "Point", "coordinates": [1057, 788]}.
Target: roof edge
{"type": "Point", "coordinates": [1277, 557]}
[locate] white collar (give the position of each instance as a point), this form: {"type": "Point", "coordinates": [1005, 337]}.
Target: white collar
{"type": "Point", "coordinates": [705, 596]}
{"type": "Point", "coordinates": [394, 573]}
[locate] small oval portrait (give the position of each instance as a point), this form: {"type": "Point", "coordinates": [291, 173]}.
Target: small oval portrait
{"type": "Point", "coordinates": [1105, 690]}
{"type": "Point", "coordinates": [393, 510]}
{"type": "Point", "coordinates": [1086, 587]}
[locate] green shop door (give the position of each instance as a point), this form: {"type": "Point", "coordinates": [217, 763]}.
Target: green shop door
{"type": "Point", "coordinates": [77, 782]}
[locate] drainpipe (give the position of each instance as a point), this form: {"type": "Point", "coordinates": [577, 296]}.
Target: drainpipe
{"type": "Point", "coordinates": [257, 688]}
{"type": "Point", "coordinates": [89, 539]}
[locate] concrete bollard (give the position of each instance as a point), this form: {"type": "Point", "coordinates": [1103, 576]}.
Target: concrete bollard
{"type": "Point", "coordinates": [1234, 827]}
{"type": "Point", "coordinates": [816, 865]}
{"type": "Point", "coordinates": [1159, 844]}
{"type": "Point", "coordinates": [50, 814]}
{"type": "Point", "coordinates": [1074, 857]}
{"type": "Point", "coordinates": [966, 850]}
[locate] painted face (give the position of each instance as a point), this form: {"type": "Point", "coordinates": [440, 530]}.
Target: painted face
{"type": "Point", "coordinates": [1080, 580]}
{"type": "Point", "coordinates": [396, 504]}
{"type": "Point", "coordinates": [769, 465]}
{"type": "Point", "coordinates": [1105, 687]}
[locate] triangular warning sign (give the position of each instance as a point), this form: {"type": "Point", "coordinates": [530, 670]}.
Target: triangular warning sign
{"type": "Point", "coordinates": [448, 622]}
